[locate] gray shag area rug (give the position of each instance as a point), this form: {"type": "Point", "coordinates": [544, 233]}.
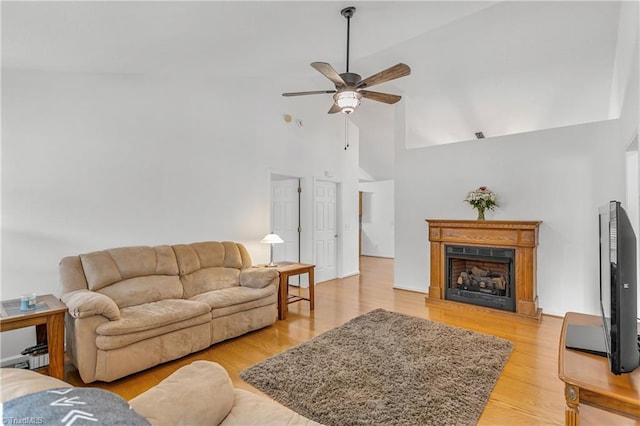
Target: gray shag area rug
{"type": "Point", "coordinates": [385, 368]}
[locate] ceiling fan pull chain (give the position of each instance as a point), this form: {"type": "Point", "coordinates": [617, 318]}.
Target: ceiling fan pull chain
{"type": "Point", "coordinates": [346, 132]}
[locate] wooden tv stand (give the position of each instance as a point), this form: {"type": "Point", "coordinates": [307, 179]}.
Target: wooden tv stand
{"type": "Point", "coordinates": [588, 379]}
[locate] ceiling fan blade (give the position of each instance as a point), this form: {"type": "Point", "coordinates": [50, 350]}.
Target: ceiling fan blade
{"type": "Point", "coordinates": [396, 71]}
{"type": "Point", "coordinates": [328, 71]}
{"type": "Point", "coordinates": [380, 97]}
{"type": "Point", "coordinates": [313, 92]}
{"type": "Point", "coordinates": [334, 108]}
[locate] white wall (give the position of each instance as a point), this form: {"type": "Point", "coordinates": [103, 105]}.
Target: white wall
{"type": "Point", "coordinates": [378, 218]}
{"type": "Point", "coordinates": [97, 161]}
{"type": "Point", "coordinates": [626, 60]}
{"type": "Point", "coordinates": [349, 237]}
{"type": "Point", "coordinates": [559, 176]}
{"type": "Point", "coordinates": [630, 100]}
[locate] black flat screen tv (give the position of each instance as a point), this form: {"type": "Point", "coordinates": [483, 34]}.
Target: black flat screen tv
{"type": "Point", "coordinates": [617, 338]}
{"type": "Point", "coordinates": [618, 288]}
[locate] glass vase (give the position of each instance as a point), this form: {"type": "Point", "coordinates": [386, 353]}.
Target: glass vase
{"type": "Point", "coordinates": [480, 213]}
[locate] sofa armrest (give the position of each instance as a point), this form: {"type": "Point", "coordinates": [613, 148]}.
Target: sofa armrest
{"type": "Point", "coordinates": [250, 409]}
{"type": "Point", "coordinates": [258, 277]}
{"type": "Point", "coordinates": [85, 303]}
{"type": "Point", "coordinates": [17, 382]}
{"type": "Point", "coordinates": [200, 393]}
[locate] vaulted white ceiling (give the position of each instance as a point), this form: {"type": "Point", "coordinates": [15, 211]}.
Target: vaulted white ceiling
{"type": "Point", "coordinates": [496, 67]}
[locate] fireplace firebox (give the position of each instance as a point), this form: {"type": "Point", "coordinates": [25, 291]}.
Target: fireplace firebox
{"type": "Point", "coordinates": [481, 276]}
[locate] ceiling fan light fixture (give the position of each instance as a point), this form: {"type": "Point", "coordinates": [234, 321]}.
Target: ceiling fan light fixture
{"type": "Point", "coordinates": [350, 88]}
{"type": "Point", "coordinates": [347, 100]}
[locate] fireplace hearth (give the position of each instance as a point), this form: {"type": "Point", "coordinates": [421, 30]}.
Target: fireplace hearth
{"type": "Point", "coordinates": [490, 263]}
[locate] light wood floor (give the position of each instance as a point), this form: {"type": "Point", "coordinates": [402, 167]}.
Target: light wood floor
{"type": "Point", "coordinates": [527, 393]}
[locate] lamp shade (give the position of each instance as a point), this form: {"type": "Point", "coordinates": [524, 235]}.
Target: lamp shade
{"type": "Point", "coordinates": [272, 239]}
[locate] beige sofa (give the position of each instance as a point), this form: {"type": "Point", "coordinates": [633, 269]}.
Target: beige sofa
{"type": "Point", "coordinates": [131, 308]}
{"type": "Point", "coordinates": [200, 393]}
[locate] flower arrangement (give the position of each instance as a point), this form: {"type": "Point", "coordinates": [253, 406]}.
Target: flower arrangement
{"type": "Point", "coordinates": [482, 199]}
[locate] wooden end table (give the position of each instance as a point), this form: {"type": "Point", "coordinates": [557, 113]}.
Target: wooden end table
{"type": "Point", "coordinates": [289, 269]}
{"type": "Point", "coordinates": [48, 318]}
{"type": "Point", "coordinates": [588, 379]}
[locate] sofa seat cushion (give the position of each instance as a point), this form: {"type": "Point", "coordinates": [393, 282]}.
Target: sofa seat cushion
{"type": "Point", "coordinates": [233, 296]}
{"type": "Point", "coordinates": [108, 343]}
{"type": "Point", "coordinates": [238, 299]}
{"type": "Point", "coordinates": [153, 315]}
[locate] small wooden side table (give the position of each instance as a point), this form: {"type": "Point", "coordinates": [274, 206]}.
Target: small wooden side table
{"type": "Point", "coordinates": [289, 269]}
{"type": "Point", "coordinates": [588, 379]}
{"type": "Point", "coordinates": [48, 318]}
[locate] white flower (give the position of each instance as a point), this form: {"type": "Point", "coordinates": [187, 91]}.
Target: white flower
{"type": "Point", "coordinates": [482, 198]}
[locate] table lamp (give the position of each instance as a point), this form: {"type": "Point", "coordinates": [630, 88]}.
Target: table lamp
{"type": "Point", "coordinates": [272, 239]}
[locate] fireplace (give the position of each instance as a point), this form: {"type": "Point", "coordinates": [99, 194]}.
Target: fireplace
{"type": "Point", "coordinates": [503, 254]}
{"type": "Point", "coordinates": [480, 275]}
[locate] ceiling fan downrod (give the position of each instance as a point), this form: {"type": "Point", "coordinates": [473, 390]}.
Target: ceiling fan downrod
{"type": "Point", "coordinates": [348, 12]}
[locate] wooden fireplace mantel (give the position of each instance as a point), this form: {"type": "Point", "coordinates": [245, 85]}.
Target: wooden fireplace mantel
{"type": "Point", "coordinates": [522, 236]}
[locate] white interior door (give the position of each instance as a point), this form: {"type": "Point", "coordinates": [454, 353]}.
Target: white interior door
{"type": "Point", "coordinates": [285, 219]}
{"type": "Point", "coordinates": [325, 234]}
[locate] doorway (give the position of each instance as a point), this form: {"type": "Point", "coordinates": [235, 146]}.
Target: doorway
{"type": "Point", "coordinates": [325, 233]}
{"type": "Point", "coordinates": [285, 217]}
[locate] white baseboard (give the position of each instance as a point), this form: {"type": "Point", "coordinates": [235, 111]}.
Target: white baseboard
{"type": "Point", "coordinates": [10, 361]}
{"type": "Point", "coordinates": [351, 274]}
{"type": "Point", "coordinates": [399, 287]}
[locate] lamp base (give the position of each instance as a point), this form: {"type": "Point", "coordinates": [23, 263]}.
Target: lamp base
{"type": "Point", "coordinates": [271, 264]}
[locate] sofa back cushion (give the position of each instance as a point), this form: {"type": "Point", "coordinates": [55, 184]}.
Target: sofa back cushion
{"type": "Point", "coordinates": [136, 275]}
{"type": "Point", "coordinates": [208, 279]}
{"type": "Point", "coordinates": [103, 268]}
{"type": "Point", "coordinates": [210, 265]}
{"type": "Point", "coordinates": [139, 290]}
{"type": "Point", "coordinates": [210, 254]}
{"type": "Point", "coordinates": [133, 275]}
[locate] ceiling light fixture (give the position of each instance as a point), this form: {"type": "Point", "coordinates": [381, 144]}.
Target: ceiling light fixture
{"type": "Point", "coordinates": [347, 100]}
{"type": "Point", "coordinates": [350, 87]}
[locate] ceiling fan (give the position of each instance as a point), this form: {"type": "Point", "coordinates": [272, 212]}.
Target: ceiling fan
{"type": "Point", "coordinates": [350, 87]}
